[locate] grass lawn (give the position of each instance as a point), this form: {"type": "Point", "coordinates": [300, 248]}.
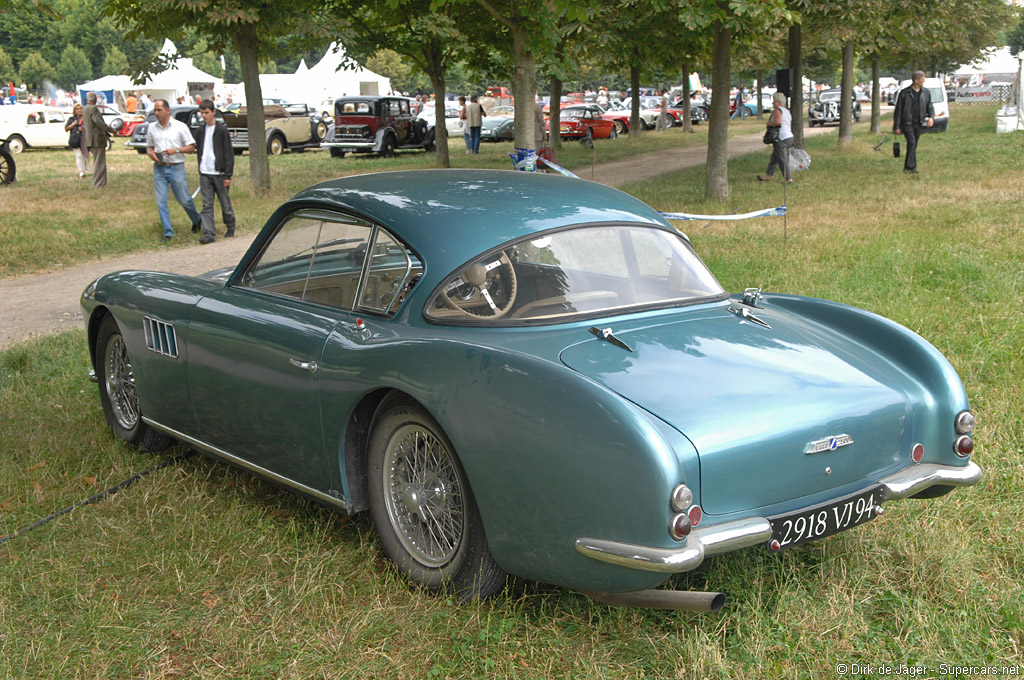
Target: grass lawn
{"type": "Point", "coordinates": [202, 571]}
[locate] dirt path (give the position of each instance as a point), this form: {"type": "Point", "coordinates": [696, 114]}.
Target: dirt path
{"type": "Point", "coordinates": [49, 303]}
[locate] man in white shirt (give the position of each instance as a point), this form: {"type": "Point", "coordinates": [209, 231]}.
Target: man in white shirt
{"type": "Point", "coordinates": [216, 165]}
{"type": "Point", "coordinates": [167, 142]}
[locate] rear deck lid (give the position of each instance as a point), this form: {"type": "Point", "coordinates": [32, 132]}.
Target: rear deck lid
{"type": "Point", "coordinates": [758, 403]}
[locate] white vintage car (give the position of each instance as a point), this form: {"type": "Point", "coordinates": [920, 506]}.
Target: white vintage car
{"type": "Point", "coordinates": [32, 126]}
{"type": "Point", "coordinates": [37, 126]}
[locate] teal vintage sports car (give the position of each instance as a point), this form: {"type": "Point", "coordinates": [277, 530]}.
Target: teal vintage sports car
{"type": "Point", "coordinates": [528, 374]}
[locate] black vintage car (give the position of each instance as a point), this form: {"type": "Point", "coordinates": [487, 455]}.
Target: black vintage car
{"type": "Point", "coordinates": [187, 114]}
{"type": "Point", "coordinates": [826, 109]}
{"type": "Point", "coordinates": [376, 125]}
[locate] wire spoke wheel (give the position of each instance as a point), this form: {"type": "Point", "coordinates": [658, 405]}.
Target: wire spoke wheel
{"type": "Point", "coordinates": [424, 496]}
{"type": "Point", "coordinates": [120, 384]}
{"type": "Point", "coordinates": [422, 504]}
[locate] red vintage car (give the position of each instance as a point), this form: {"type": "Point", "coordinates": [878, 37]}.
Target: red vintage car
{"type": "Point", "coordinates": [582, 121]}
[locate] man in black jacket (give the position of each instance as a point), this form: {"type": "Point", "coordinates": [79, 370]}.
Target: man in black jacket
{"type": "Point", "coordinates": [216, 165]}
{"type": "Point", "coordinates": [914, 111]}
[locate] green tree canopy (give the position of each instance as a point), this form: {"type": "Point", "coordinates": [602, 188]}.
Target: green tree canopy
{"type": "Point", "coordinates": [115, 63]}
{"type": "Point", "coordinates": [35, 70]}
{"type": "Point", "coordinates": [7, 71]}
{"type": "Point", "coordinates": [73, 68]}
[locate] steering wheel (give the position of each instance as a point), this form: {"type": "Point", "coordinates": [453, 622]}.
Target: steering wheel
{"type": "Point", "coordinates": [484, 290]}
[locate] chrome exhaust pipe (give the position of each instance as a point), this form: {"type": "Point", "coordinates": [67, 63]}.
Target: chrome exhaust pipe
{"type": "Point", "coordinates": [678, 600]}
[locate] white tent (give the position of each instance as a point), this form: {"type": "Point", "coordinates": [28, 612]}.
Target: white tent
{"type": "Point", "coordinates": [335, 75]}
{"type": "Point", "coordinates": [1000, 65]}
{"type": "Point", "coordinates": [181, 79]}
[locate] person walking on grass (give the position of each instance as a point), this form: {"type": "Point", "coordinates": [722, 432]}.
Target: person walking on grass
{"type": "Point", "coordinates": [167, 142]}
{"type": "Point", "coordinates": [782, 119]}
{"type": "Point", "coordinates": [913, 113]}
{"type": "Point", "coordinates": [216, 165]}
{"type": "Point", "coordinates": [97, 136]}
{"type": "Point", "coordinates": [76, 139]}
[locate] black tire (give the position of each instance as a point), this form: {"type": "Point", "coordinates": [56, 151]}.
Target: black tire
{"type": "Point", "coordinates": [337, 153]}
{"type": "Point", "coordinates": [8, 168]}
{"type": "Point", "coordinates": [15, 144]}
{"type": "Point", "coordinates": [614, 134]}
{"type": "Point", "coordinates": [276, 145]}
{"type": "Point", "coordinates": [620, 127]}
{"type": "Point", "coordinates": [141, 152]}
{"type": "Point", "coordinates": [422, 506]}
{"type": "Point", "coordinates": [430, 143]}
{"type": "Point", "coordinates": [387, 146]}
{"type": "Point", "coordinates": [117, 391]}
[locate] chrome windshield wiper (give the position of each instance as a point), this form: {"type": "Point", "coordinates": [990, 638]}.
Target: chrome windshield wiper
{"type": "Point", "coordinates": [607, 334]}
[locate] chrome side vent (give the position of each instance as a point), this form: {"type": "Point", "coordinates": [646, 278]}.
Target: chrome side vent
{"type": "Point", "coordinates": [160, 337]}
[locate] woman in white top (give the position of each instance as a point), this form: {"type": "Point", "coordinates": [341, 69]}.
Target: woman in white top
{"type": "Point", "coordinates": [782, 119]}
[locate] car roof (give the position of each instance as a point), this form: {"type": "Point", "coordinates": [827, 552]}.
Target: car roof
{"type": "Point", "coordinates": [452, 216]}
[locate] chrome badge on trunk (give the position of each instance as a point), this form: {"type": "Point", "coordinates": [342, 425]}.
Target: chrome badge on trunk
{"type": "Point", "coordinates": [828, 444]}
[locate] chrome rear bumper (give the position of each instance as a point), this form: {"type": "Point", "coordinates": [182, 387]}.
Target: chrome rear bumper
{"type": "Point", "coordinates": [743, 533]}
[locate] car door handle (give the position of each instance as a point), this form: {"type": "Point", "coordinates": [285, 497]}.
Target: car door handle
{"type": "Point", "coordinates": [304, 365]}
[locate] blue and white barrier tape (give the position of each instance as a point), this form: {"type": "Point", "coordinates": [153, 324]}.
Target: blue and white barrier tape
{"type": "Point", "coordinates": [767, 212]}
{"type": "Point", "coordinates": [557, 168]}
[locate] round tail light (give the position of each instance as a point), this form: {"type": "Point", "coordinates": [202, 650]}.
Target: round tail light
{"type": "Point", "coordinates": [963, 446]}
{"type": "Point", "coordinates": [964, 422]}
{"type": "Point", "coordinates": [679, 527]}
{"type": "Point", "coordinates": [918, 453]}
{"type": "Point", "coordinates": [681, 498]}
{"type": "Point", "coordinates": [695, 515]}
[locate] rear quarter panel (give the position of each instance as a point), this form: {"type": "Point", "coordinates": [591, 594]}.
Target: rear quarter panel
{"type": "Point", "coordinates": [551, 456]}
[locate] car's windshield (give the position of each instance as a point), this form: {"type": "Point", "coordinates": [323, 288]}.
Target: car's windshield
{"type": "Point", "coordinates": [829, 96]}
{"type": "Point", "coordinates": [574, 273]}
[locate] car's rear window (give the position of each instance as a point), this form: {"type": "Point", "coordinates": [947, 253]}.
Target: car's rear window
{"type": "Point", "coordinates": [342, 108]}
{"type": "Point", "coordinates": [574, 273]}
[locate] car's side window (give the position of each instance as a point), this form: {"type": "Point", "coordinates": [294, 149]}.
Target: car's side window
{"type": "Point", "coordinates": [392, 273]}
{"type": "Point", "coordinates": [321, 256]}
{"type": "Point", "coordinates": [316, 256]}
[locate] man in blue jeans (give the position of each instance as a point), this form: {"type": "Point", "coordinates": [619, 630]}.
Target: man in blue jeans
{"type": "Point", "coordinates": [167, 142]}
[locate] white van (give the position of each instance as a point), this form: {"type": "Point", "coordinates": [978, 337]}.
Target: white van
{"type": "Point", "coordinates": [940, 102]}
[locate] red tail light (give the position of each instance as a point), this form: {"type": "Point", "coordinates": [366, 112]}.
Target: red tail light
{"type": "Point", "coordinates": [963, 446]}
{"type": "Point", "coordinates": [918, 453]}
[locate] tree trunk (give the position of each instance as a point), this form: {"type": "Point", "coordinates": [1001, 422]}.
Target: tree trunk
{"type": "Point", "coordinates": [716, 184]}
{"type": "Point", "coordinates": [249, 57]}
{"type": "Point", "coordinates": [757, 97]}
{"type": "Point", "coordinates": [440, 129]}
{"type": "Point", "coordinates": [555, 114]}
{"type": "Point", "coordinates": [635, 126]}
{"type": "Point", "coordinates": [524, 88]}
{"type": "Point", "coordinates": [876, 94]}
{"type": "Point", "coordinates": [687, 122]}
{"type": "Point", "coordinates": [846, 99]}
{"type": "Point", "coordinates": [796, 100]}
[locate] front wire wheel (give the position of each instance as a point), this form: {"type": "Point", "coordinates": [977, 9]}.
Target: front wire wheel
{"type": "Point", "coordinates": [118, 394]}
{"type": "Point", "coordinates": [422, 506]}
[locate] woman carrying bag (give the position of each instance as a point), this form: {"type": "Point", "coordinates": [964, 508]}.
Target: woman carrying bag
{"type": "Point", "coordinates": [780, 135]}
{"type": "Point", "coordinates": [76, 139]}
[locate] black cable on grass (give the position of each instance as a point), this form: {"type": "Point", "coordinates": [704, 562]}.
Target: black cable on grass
{"type": "Point", "coordinates": [100, 496]}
